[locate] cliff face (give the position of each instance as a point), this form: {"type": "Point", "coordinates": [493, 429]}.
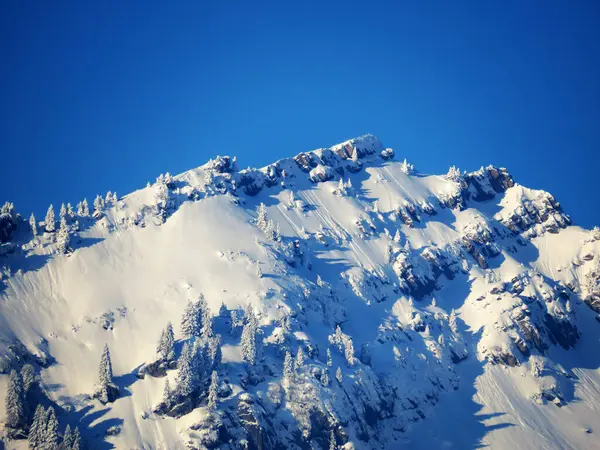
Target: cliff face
{"type": "Point", "coordinates": [464, 303]}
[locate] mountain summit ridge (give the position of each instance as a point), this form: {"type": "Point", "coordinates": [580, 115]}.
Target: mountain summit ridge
{"type": "Point", "coordinates": [334, 299]}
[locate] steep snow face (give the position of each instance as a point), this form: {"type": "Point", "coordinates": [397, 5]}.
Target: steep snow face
{"type": "Point", "coordinates": [429, 311]}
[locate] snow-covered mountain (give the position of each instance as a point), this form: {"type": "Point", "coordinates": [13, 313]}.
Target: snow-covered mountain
{"type": "Point", "coordinates": [337, 299]}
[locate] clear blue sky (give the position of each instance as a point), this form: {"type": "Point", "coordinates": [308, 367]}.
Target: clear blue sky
{"type": "Point", "coordinates": [99, 96]}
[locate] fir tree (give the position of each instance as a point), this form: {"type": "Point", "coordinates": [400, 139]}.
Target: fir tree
{"type": "Point", "coordinates": [452, 322]}
{"type": "Point", "coordinates": [325, 378]}
{"type": "Point", "coordinates": [15, 401]}
{"type": "Point", "coordinates": [86, 208]}
{"type": "Point", "coordinates": [207, 322]}
{"type": "Point", "coordinates": [223, 311]}
{"type": "Point", "coordinates": [299, 362]}
{"type": "Point", "coordinates": [51, 435]}
{"type": "Point", "coordinates": [37, 428]}
{"type": "Point", "coordinates": [80, 209]}
{"type": "Point", "coordinates": [49, 222]}
{"type": "Point", "coordinates": [338, 375]}
{"type": "Point", "coordinates": [63, 212]}
{"type": "Point", "coordinates": [166, 344]}
{"type": "Point", "coordinates": [167, 394]}
{"type": "Point", "coordinates": [105, 373]}
{"type": "Point", "coordinates": [191, 320]}
{"type": "Point", "coordinates": [63, 239]}
{"type": "Point", "coordinates": [29, 379]}
{"type": "Point", "coordinates": [261, 217]}
{"type": "Point", "coordinates": [288, 369]}
{"type": "Point", "coordinates": [397, 236]}
{"type": "Point", "coordinates": [67, 442]}
{"type": "Point", "coordinates": [76, 440]}
{"type": "Point", "coordinates": [70, 212]}
{"type": "Point", "coordinates": [329, 361]}
{"type": "Point", "coordinates": [214, 351]}
{"type": "Point", "coordinates": [33, 225]}
{"type": "Point", "coordinates": [332, 443]}
{"type": "Point", "coordinates": [249, 340]}
{"type": "Point", "coordinates": [213, 391]}
{"type": "Point", "coordinates": [98, 205]}
{"type": "Point", "coordinates": [349, 351]}
{"type": "Point", "coordinates": [184, 385]}
{"type": "Point", "coordinates": [109, 198]}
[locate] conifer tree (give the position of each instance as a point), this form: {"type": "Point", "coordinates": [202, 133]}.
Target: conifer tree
{"type": "Point", "coordinates": [37, 428]}
{"type": "Point", "coordinates": [325, 378]}
{"type": "Point", "coordinates": [28, 376]}
{"type": "Point", "coordinates": [223, 311]}
{"type": "Point", "coordinates": [452, 321]}
{"type": "Point", "coordinates": [105, 373]}
{"type": "Point", "coordinates": [63, 212]}
{"type": "Point", "coordinates": [299, 362]}
{"type": "Point", "coordinates": [249, 340]}
{"type": "Point", "coordinates": [63, 239]}
{"type": "Point", "coordinates": [76, 440]}
{"type": "Point", "coordinates": [51, 435]}
{"type": "Point", "coordinates": [207, 322]}
{"type": "Point", "coordinates": [85, 207]}
{"type": "Point", "coordinates": [33, 225]}
{"type": "Point", "coordinates": [67, 442]}
{"type": "Point", "coordinates": [166, 344]}
{"type": "Point", "coordinates": [259, 273]}
{"type": "Point", "coordinates": [329, 361]}
{"type": "Point", "coordinates": [167, 394]}
{"type": "Point", "coordinates": [288, 369]}
{"type": "Point", "coordinates": [397, 236]}
{"type": "Point", "coordinates": [80, 209]}
{"type": "Point", "coordinates": [213, 391]}
{"type": "Point", "coordinates": [49, 222]}
{"type": "Point", "coordinates": [15, 402]}
{"type": "Point", "coordinates": [261, 217]}
{"type": "Point", "coordinates": [191, 320]}
{"type": "Point", "coordinates": [332, 443]}
{"type": "Point", "coordinates": [70, 212]}
{"type": "Point", "coordinates": [214, 351]}
{"type": "Point", "coordinates": [338, 375]}
{"type": "Point", "coordinates": [184, 385]}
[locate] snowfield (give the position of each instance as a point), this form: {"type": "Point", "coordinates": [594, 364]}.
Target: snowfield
{"type": "Point", "coordinates": [430, 312]}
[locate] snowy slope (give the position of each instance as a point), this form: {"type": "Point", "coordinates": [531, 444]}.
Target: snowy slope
{"type": "Point", "coordinates": [386, 254]}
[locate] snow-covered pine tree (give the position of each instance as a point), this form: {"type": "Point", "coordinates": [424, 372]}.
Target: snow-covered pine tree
{"type": "Point", "coordinates": [63, 212]}
{"type": "Point", "coordinates": [349, 350]}
{"type": "Point", "coordinates": [325, 377]}
{"type": "Point", "coordinates": [51, 437]}
{"type": "Point", "coordinates": [85, 207]}
{"type": "Point", "coordinates": [207, 321]}
{"type": "Point", "coordinates": [63, 239]}
{"type": "Point", "coordinates": [332, 442]}
{"type": "Point", "coordinates": [261, 217]}
{"type": "Point", "coordinates": [397, 236]}
{"type": "Point", "coordinates": [28, 377]}
{"type": "Point", "coordinates": [341, 188]}
{"type": "Point", "coordinates": [249, 340]}
{"type": "Point", "coordinates": [80, 209]}
{"type": "Point", "coordinates": [105, 372]}
{"type": "Point", "coordinates": [214, 351]}
{"type": "Point", "coordinates": [259, 273]}
{"type": "Point", "coordinates": [166, 344]}
{"type": "Point", "coordinates": [33, 225]}
{"type": "Point", "coordinates": [67, 442]}
{"type": "Point", "coordinates": [70, 213]}
{"type": "Point", "coordinates": [98, 205]}
{"type": "Point", "coordinates": [49, 221]}
{"type": "Point", "coordinates": [14, 402]}
{"type": "Point", "coordinates": [184, 385]}
{"type": "Point", "coordinates": [213, 391]}
{"type": "Point", "coordinates": [453, 174]}
{"type": "Point", "coordinates": [288, 366]}
{"type": "Point", "coordinates": [407, 168]}
{"type": "Point", "coordinates": [37, 428]}
{"type": "Point", "coordinates": [329, 360]}
{"type": "Point", "coordinates": [191, 320]}
{"type": "Point", "coordinates": [299, 362]}
{"type": "Point", "coordinates": [76, 440]}
{"type": "Point", "coordinates": [167, 394]}
{"type": "Point", "coordinates": [338, 375]}
{"type": "Point", "coordinates": [452, 321]}
{"type": "Point", "coordinates": [109, 198]}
